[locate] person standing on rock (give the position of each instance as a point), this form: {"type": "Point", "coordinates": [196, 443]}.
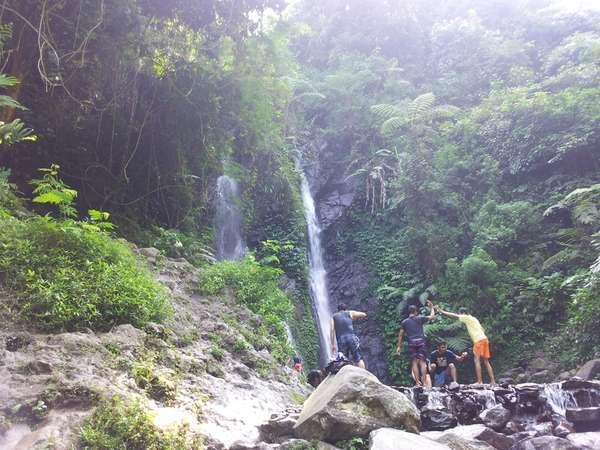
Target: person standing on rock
{"type": "Point", "coordinates": [481, 344]}
{"type": "Point", "coordinates": [342, 334]}
{"type": "Point", "coordinates": [412, 327]}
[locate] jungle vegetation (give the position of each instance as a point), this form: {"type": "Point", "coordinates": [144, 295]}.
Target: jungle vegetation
{"type": "Point", "coordinates": [469, 132]}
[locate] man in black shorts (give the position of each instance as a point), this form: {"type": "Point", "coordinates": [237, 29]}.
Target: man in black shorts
{"type": "Point", "coordinates": [342, 334]}
{"type": "Point", "coordinates": [412, 327]}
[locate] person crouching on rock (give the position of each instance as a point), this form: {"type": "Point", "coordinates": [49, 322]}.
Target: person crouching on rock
{"type": "Point", "coordinates": [412, 327]}
{"type": "Point", "coordinates": [481, 344]}
{"type": "Point", "coordinates": [442, 366]}
{"type": "Point", "coordinates": [342, 333]}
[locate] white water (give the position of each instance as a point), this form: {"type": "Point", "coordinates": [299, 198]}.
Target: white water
{"type": "Point", "coordinates": [290, 338]}
{"type": "Point", "coordinates": [318, 275]}
{"type": "Point", "coordinates": [489, 397]}
{"type": "Point", "coordinates": [435, 400]}
{"type": "Point", "coordinates": [228, 219]}
{"type": "Point", "coordinates": [558, 399]}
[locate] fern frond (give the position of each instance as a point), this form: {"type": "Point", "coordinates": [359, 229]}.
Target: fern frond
{"type": "Point", "coordinates": [7, 81]}
{"type": "Point", "coordinates": [9, 102]}
{"type": "Point", "coordinates": [15, 131]}
{"type": "Point", "coordinates": [586, 213]}
{"type": "Point", "coordinates": [393, 124]}
{"type": "Point", "coordinates": [385, 111]}
{"type": "Point", "coordinates": [420, 106]}
{"type": "Point", "coordinates": [446, 111]}
{"type": "Point", "coordinates": [6, 31]}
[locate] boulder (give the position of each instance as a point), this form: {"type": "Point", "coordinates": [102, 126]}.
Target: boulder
{"type": "Point", "coordinates": [589, 440]}
{"type": "Point", "coordinates": [497, 440]}
{"type": "Point", "coordinates": [436, 419]}
{"type": "Point", "coordinates": [563, 429]}
{"type": "Point", "coordinates": [391, 439]}
{"type": "Point", "coordinates": [455, 442]}
{"type": "Point", "coordinates": [496, 417]}
{"type": "Point", "coordinates": [545, 443]}
{"type": "Point", "coordinates": [589, 370]}
{"type": "Point", "coordinates": [277, 427]}
{"type": "Point", "coordinates": [584, 419]}
{"type": "Point", "coordinates": [579, 383]}
{"type": "Point", "coordinates": [541, 377]}
{"type": "Point", "coordinates": [543, 428]}
{"type": "Point", "coordinates": [353, 403]}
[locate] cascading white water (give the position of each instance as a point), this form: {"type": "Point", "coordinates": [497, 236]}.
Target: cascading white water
{"type": "Point", "coordinates": [558, 399]}
{"type": "Point", "coordinates": [489, 398]}
{"type": "Point", "coordinates": [318, 275]}
{"type": "Point", "coordinates": [228, 219]}
{"type": "Point", "coordinates": [436, 400]}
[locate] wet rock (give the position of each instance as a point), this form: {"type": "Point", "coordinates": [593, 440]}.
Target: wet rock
{"type": "Point", "coordinates": [354, 403]}
{"type": "Point", "coordinates": [156, 330]}
{"type": "Point", "coordinates": [506, 381]}
{"type": "Point", "coordinates": [579, 383]}
{"type": "Point", "coordinates": [277, 427]}
{"type": "Point", "coordinates": [522, 435]}
{"type": "Point", "coordinates": [242, 445]}
{"type": "Point", "coordinates": [392, 439]}
{"type": "Point", "coordinates": [435, 419]}
{"type": "Point", "coordinates": [589, 370]}
{"type": "Point", "coordinates": [17, 341]}
{"type": "Point", "coordinates": [544, 428]}
{"type": "Point", "coordinates": [496, 417]}
{"type": "Point", "coordinates": [545, 443]}
{"type": "Point", "coordinates": [456, 442]}
{"type": "Point", "coordinates": [37, 368]}
{"type": "Point", "coordinates": [497, 440]}
{"type": "Point", "coordinates": [584, 419]}
{"type": "Point", "coordinates": [563, 429]}
{"type": "Point", "coordinates": [567, 374]}
{"type": "Point", "coordinates": [585, 441]}
{"type": "Point", "coordinates": [454, 387]}
{"type": "Point", "coordinates": [512, 427]}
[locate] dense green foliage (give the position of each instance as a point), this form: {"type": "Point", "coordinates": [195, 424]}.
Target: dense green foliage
{"type": "Point", "coordinates": [460, 126]}
{"type": "Point", "coordinates": [467, 131]}
{"type": "Point", "coordinates": [257, 287]}
{"type": "Point", "coordinates": [125, 424]}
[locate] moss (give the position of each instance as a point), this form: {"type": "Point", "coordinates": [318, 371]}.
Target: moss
{"type": "Point", "coordinates": [158, 385]}
{"type": "Point", "coordinates": [120, 424]}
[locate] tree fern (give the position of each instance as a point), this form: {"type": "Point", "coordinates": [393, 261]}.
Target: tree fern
{"type": "Point", "coordinates": [385, 111]}
{"type": "Point", "coordinates": [393, 124]}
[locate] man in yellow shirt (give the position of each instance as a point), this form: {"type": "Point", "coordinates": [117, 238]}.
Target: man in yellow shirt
{"type": "Point", "coordinates": [481, 344]}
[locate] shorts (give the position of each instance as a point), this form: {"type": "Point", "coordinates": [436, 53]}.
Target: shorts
{"type": "Point", "coordinates": [440, 378]}
{"type": "Point", "coordinates": [481, 349]}
{"type": "Point", "coordinates": [417, 349]}
{"type": "Point", "coordinates": [349, 345]}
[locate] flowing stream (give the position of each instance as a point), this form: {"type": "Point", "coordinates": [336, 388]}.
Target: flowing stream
{"type": "Point", "coordinates": [318, 275]}
{"type": "Point", "coordinates": [228, 219]}
{"type": "Point", "coordinates": [558, 399]}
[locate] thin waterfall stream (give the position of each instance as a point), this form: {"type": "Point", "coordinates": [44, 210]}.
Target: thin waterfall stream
{"type": "Point", "coordinates": [317, 272]}
{"type": "Point", "coordinates": [229, 241]}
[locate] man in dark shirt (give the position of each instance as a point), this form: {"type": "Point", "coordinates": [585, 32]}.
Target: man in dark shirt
{"type": "Point", "coordinates": [412, 327]}
{"type": "Point", "coordinates": [342, 334]}
{"type": "Point", "coordinates": [441, 365]}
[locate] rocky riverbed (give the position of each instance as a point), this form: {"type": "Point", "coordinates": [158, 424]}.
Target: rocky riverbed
{"type": "Point", "coordinates": [353, 404]}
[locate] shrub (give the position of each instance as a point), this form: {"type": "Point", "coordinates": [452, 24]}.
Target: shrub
{"type": "Point", "coordinates": [118, 424]}
{"type": "Point", "coordinates": [256, 287]}
{"type": "Point", "coordinates": [69, 277]}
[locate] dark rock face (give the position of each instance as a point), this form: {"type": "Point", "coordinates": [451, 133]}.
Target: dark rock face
{"type": "Point", "coordinates": [348, 281]}
{"type": "Point", "coordinates": [496, 440]}
{"type": "Point", "coordinates": [585, 419]}
{"type": "Point", "coordinates": [438, 420]}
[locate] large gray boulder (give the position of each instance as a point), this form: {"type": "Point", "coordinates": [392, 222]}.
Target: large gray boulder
{"type": "Point", "coordinates": [589, 440]}
{"type": "Point", "coordinates": [455, 442]}
{"type": "Point", "coordinates": [545, 443]}
{"type": "Point", "coordinates": [353, 403]}
{"type": "Point", "coordinates": [391, 439]}
{"type": "Point", "coordinates": [495, 418]}
{"type": "Point", "coordinates": [589, 370]}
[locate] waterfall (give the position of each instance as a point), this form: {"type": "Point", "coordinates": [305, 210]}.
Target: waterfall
{"type": "Point", "coordinates": [228, 219]}
{"type": "Point", "coordinates": [489, 398]}
{"type": "Point", "coordinates": [436, 400]}
{"type": "Point", "coordinates": [558, 399]}
{"type": "Point", "coordinates": [317, 273]}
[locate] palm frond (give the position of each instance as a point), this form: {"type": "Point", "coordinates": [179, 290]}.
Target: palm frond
{"type": "Point", "coordinates": [7, 81]}
{"type": "Point", "coordinates": [9, 102]}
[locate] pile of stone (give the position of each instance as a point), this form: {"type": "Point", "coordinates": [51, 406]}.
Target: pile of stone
{"type": "Point", "coordinates": [354, 403]}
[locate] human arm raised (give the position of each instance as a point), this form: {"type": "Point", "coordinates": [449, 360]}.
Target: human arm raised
{"type": "Point", "coordinates": [357, 315]}
{"type": "Point", "coordinates": [447, 313]}
{"type": "Point", "coordinates": [431, 311]}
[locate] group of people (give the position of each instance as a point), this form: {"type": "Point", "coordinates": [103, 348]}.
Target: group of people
{"type": "Point", "coordinates": [436, 368]}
